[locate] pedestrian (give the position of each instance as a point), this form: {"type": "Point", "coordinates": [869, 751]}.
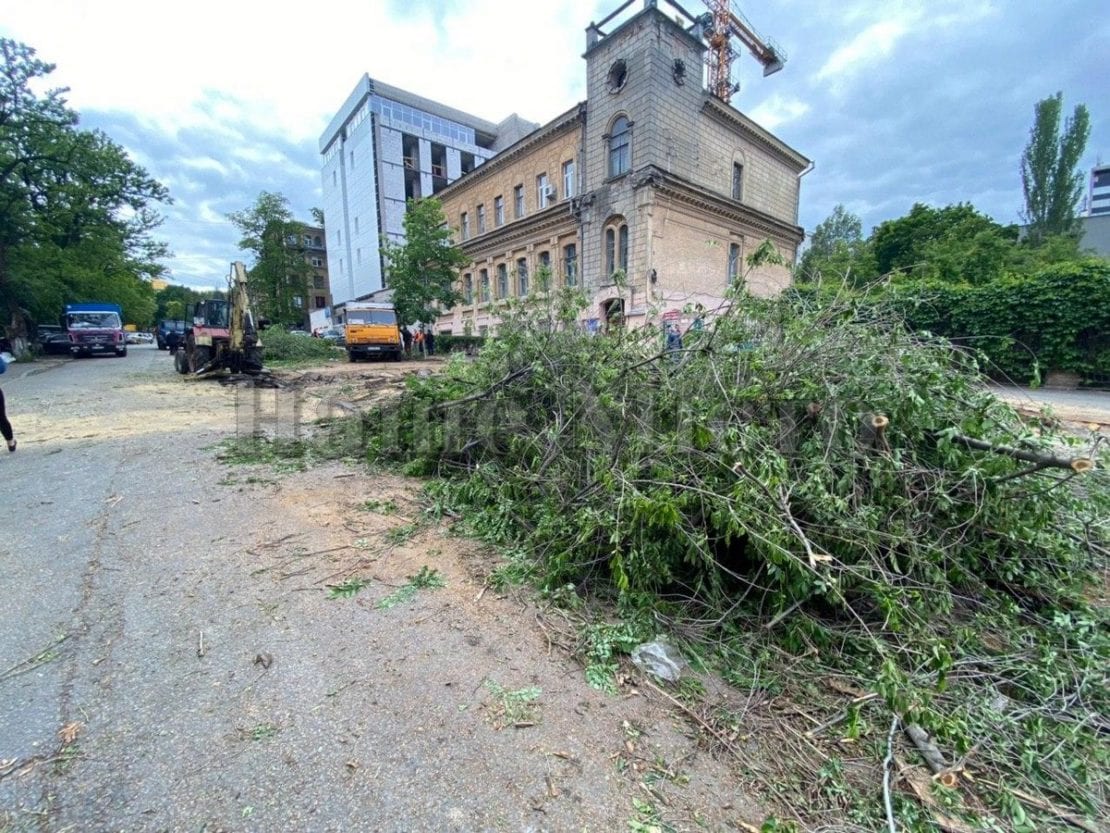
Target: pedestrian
{"type": "Point", "coordinates": [418, 340]}
{"type": "Point", "coordinates": [406, 337]}
{"type": "Point", "coordinates": [5, 426]}
{"type": "Point", "coordinates": [430, 341]}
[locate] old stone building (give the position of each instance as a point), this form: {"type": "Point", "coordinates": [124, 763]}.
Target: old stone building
{"type": "Point", "coordinates": [648, 195]}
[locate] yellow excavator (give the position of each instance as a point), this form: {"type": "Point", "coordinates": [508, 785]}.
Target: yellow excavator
{"type": "Point", "coordinates": [221, 334]}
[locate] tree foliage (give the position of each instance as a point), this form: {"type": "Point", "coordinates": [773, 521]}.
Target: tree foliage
{"type": "Point", "coordinates": [837, 247]}
{"type": "Point", "coordinates": [76, 221]}
{"type": "Point", "coordinates": [279, 274]}
{"type": "Point", "coordinates": [424, 269]}
{"type": "Point", "coordinates": [801, 481]}
{"type": "Point", "coordinates": [1050, 176]}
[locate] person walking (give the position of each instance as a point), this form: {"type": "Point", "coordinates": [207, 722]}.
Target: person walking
{"type": "Point", "coordinates": [5, 426]}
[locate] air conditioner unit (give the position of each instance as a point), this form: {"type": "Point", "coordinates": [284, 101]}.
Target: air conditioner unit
{"type": "Point", "coordinates": [549, 193]}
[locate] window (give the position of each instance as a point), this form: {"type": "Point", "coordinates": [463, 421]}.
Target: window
{"type": "Point", "coordinates": [318, 262]}
{"type": "Point", "coordinates": [733, 264]}
{"type": "Point", "coordinates": [352, 157]}
{"type": "Point", "coordinates": [335, 178]}
{"type": "Point", "coordinates": [298, 301]}
{"type": "Point", "coordinates": [356, 225]}
{"type": "Point", "coordinates": [499, 211]}
{"type": "Point", "coordinates": [307, 240]}
{"type": "Point", "coordinates": [737, 181]}
{"type": "Point", "coordinates": [502, 281]}
{"type": "Point", "coordinates": [518, 201]}
{"type": "Point", "coordinates": [468, 289]}
{"type": "Point", "coordinates": [321, 302]}
{"type": "Point", "coordinates": [318, 282]}
{"type": "Point", "coordinates": [483, 285]}
{"type": "Point", "coordinates": [358, 255]}
{"type": "Point", "coordinates": [620, 147]}
{"type": "Point", "coordinates": [542, 191]}
{"type": "Point", "coordinates": [570, 264]}
{"type": "Point", "coordinates": [616, 247]}
{"type": "Point", "coordinates": [481, 219]}
{"type": "Point", "coordinates": [522, 276]}
{"type": "Point", "coordinates": [464, 223]}
{"type": "Point", "coordinates": [543, 271]}
{"type": "Point", "coordinates": [568, 179]}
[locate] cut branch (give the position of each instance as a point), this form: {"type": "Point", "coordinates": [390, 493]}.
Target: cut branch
{"type": "Point", "coordinates": [1041, 459]}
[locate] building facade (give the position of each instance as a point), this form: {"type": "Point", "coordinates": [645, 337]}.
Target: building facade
{"type": "Point", "coordinates": [1098, 196]}
{"type": "Point", "coordinates": [384, 147]}
{"type": "Point", "coordinates": [649, 195]}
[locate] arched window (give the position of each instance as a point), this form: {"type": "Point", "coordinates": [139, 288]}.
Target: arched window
{"type": "Point", "coordinates": [620, 147]}
{"type": "Point", "coordinates": [616, 246]}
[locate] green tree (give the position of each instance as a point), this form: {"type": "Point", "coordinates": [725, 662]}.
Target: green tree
{"type": "Point", "coordinates": [838, 250]}
{"type": "Point", "coordinates": [1050, 175]}
{"type": "Point", "coordinates": [75, 216]}
{"type": "Point", "coordinates": [279, 275]}
{"type": "Point", "coordinates": [424, 269]}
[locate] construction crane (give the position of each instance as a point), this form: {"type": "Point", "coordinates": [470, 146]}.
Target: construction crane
{"type": "Point", "coordinates": [727, 25]}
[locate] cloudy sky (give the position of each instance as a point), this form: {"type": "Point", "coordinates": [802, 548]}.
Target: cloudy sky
{"type": "Point", "coordinates": [897, 101]}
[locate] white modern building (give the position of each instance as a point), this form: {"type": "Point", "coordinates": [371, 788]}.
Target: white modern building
{"type": "Point", "coordinates": [1098, 198]}
{"type": "Point", "coordinates": [384, 147]}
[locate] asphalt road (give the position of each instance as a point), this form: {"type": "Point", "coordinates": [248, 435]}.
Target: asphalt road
{"type": "Point", "coordinates": [157, 674]}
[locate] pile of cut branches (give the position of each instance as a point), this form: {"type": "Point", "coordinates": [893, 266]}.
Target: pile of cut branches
{"type": "Point", "coordinates": [822, 480]}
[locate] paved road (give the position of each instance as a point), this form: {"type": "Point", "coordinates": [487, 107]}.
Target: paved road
{"type": "Point", "coordinates": [123, 549]}
{"type": "Point", "coordinates": [1077, 405]}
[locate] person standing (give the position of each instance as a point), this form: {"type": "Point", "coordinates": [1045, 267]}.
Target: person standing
{"type": "Point", "coordinates": [418, 340]}
{"type": "Point", "coordinates": [406, 338]}
{"type": "Point", "coordinates": [5, 426]}
{"type": "Point", "coordinates": [430, 341]}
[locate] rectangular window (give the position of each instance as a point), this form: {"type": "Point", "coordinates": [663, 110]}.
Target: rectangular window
{"type": "Point", "coordinates": [733, 263]}
{"type": "Point", "coordinates": [352, 155]}
{"type": "Point", "coordinates": [358, 255]}
{"type": "Point", "coordinates": [317, 261]}
{"type": "Point", "coordinates": [468, 289]}
{"type": "Point", "coordinates": [542, 191]}
{"type": "Point", "coordinates": [570, 264]}
{"type": "Point", "coordinates": [499, 211]}
{"type": "Point", "coordinates": [318, 282]}
{"type": "Point", "coordinates": [568, 179]}
{"type": "Point", "coordinates": [518, 201]}
{"type": "Point", "coordinates": [298, 301]}
{"type": "Point", "coordinates": [737, 181]}
{"type": "Point", "coordinates": [502, 281]}
{"type": "Point", "coordinates": [622, 236]}
{"type": "Point", "coordinates": [356, 225]}
{"type": "Point", "coordinates": [335, 178]}
{"type": "Point", "coordinates": [483, 286]}
{"type": "Point", "coordinates": [321, 302]}
{"type": "Point", "coordinates": [481, 219]}
{"type": "Point", "coordinates": [522, 276]}
{"type": "Point", "coordinates": [464, 224]}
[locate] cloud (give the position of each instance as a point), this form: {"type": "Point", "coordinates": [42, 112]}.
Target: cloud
{"type": "Point", "coordinates": [778, 110]}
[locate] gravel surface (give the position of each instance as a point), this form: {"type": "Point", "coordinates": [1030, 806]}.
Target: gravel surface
{"type": "Point", "coordinates": [171, 659]}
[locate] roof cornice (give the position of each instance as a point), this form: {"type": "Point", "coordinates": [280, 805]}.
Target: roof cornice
{"type": "Point", "coordinates": [714, 204]}
{"type": "Point", "coordinates": [733, 118]}
{"type": "Point", "coordinates": [524, 230]}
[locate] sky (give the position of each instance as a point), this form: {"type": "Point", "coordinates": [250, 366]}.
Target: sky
{"type": "Point", "coordinates": [896, 101]}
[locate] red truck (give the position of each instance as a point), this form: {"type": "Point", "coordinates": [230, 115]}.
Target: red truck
{"type": "Point", "coordinates": [95, 327]}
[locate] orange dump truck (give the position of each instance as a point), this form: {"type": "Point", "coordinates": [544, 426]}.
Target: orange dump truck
{"type": "Point", "coordinates": [372, 331]}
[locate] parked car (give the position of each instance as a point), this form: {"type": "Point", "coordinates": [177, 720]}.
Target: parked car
{"type": "Point", "coordinates": [140, 338]}
{"type": "Point", "coordinates": [52, 339]}
{"type": "Point", "coordinates": [300, 333]}
{"type": "Point", "coordinates": [170, 334]}
{"type": "Point", "coordinates": [335, 335]}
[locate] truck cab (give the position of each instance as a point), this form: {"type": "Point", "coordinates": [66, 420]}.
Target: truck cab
{"type": "Point", "coordinates": [95, 327]}
{"type": "Point", "coordinates": [371, 331]}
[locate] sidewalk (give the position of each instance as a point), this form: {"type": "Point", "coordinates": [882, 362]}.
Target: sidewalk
{"type": "Point", "coordinates": [1082, 406]}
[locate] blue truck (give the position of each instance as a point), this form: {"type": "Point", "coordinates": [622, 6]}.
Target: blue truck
{"type": "Point", "coordinates": [95, 327]}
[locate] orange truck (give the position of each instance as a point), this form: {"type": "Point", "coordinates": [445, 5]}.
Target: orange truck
{"type": "Point", "coordinates": [371, 331]}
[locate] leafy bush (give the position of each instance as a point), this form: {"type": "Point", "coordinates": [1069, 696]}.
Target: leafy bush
{"type": "Point", "coordinates": [811, 474]}
{"type": "Point", "coordinates": [458, 343]}
{"type": "Point", "coordinates": [1056, 319]}
{"type": "Point", "coordinates": [278, 345]}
